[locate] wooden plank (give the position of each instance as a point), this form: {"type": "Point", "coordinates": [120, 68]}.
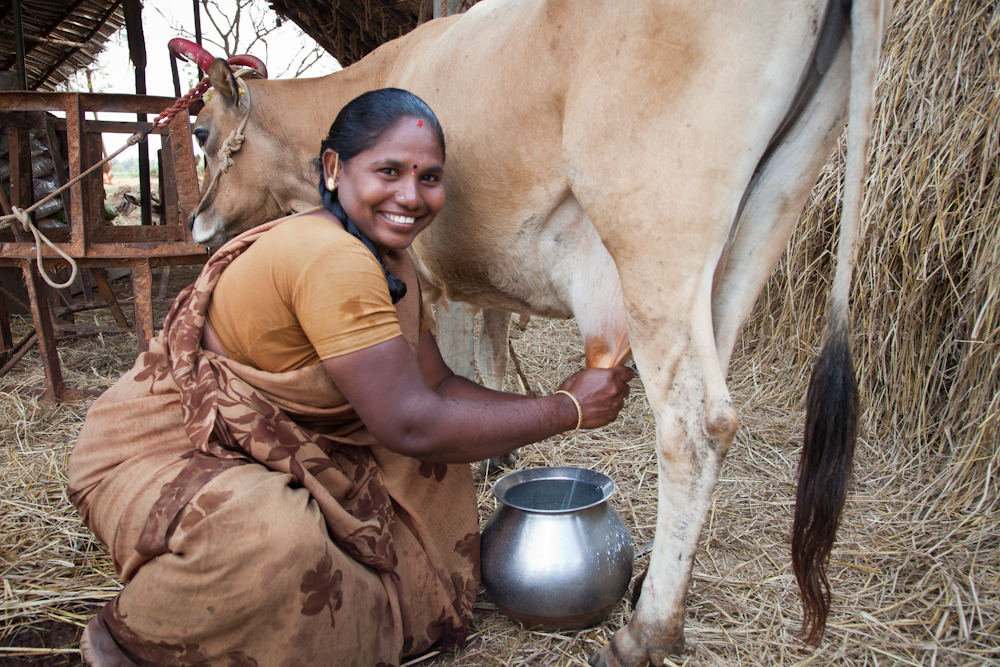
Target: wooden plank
{"type": "Point", "coordinates": [18, 352]}
{"type": "Point", "coordinates": [137, 234]}
{"type": "Point", "coordinates": [164, 252]}
{"type": "Point", "coordinates": [95, 186]}
{"type": "Point", "coordinates": [16, 119]}
{"type": "Point", "coordinates": [112, 102]}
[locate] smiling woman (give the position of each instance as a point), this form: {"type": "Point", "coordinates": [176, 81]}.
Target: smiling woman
{"type": "Point", "coordinates": [392, 183]}
{"type": "Point", "coordinates": [283, 478]}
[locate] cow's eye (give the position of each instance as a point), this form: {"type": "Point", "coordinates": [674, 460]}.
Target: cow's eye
{"type": "Point", "coordinates": [201, 135]}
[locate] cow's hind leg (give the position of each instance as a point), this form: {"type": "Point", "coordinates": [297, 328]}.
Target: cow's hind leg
{"type": "Point", "coordinates": [491, 347]}
{"type": "Point", "coordinates": [666, 282]}
{"type": "Point", "coordinates": [696, 424]}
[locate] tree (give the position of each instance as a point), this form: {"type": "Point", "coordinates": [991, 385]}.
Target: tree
{"type": "Point", "coordinates": [249, 26]}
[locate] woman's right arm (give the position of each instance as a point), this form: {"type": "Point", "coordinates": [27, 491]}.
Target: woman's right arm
{"type": "Point", "coordinates": [387, 388]}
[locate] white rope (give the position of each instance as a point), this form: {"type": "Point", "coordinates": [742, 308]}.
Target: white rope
{"type": "Point", "coordinates": [22, 217]}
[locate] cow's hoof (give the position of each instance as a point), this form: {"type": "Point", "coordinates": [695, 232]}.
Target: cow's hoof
{"type": "Point", "coordinates": [508, 460]}
{"type": "Point", "coordinates": [624, 651]}
{"type": "Point", "coordinates": [621, 651]}
{"type": "Point", "coordinates": [658, 655]}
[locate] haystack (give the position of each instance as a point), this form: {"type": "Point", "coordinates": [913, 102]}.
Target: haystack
{"type": "Point", "coordinates": [927, 320]}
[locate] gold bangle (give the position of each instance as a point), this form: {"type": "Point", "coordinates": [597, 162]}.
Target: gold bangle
{"type": "Point", "coordinates": [579, 410]}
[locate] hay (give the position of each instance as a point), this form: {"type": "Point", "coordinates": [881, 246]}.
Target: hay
{"type": "Point", "coordinates": [916, 568]}
{"type": "Point", "coordinates": [896, 600]}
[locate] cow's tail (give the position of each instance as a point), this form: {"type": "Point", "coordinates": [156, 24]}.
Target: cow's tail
{"type": "Point", "coordinates": [832, 400]}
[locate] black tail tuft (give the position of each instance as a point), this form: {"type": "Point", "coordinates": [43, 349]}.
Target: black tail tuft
{"type": "Point", "coordinates": [824, 474]}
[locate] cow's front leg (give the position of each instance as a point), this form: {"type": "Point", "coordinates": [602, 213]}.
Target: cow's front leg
{"type": "Point", "coordinates": [491, 359]}
{"type": "Point", "coordinates": [695, 426]}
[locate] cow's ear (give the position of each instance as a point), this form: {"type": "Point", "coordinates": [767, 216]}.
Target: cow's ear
{"type": "Point", "coordinates": [222, 79]}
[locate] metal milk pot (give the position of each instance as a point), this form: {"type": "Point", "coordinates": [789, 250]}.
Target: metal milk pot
{"type": "Point", "coordinates": [555, 553]}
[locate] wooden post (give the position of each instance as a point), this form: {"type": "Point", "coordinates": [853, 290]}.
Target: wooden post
{"type": "Point", "coordinates": [101, 279]}
{"type": "Point", "coordinates": [54, 388]}
{"type": "Point", "coordinates": [185, 172]}
{"type": "Point", "coordinates": [80, 193]}
{"type": "Point", "coordinates": [6, 341]}
{"type": "Point", "coordinates": [142, 300]}
{"type": "Point", "coordinates": [454, 336]}
{"type": "Point", "coordinates": [455, 319]}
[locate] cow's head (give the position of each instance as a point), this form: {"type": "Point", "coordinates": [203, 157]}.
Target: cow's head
{"type": "Point", "coordinates": [267, 177]}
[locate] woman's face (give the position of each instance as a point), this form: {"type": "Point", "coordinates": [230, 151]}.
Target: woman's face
{"type": "Point", "coordinates": [393, 190]}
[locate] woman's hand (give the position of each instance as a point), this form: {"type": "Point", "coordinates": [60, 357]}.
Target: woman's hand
{"type": "Point", "coordinates": [601, 393]}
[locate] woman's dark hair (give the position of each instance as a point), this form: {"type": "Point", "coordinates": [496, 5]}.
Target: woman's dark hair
{"type": "Point", "coordinates": [360, 125]}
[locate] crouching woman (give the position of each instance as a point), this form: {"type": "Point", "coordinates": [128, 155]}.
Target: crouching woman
{"type": "Point", "coordinates": [283, 478]}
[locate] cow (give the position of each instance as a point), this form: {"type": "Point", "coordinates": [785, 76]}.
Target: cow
{"type": "Point", "coordinates": [636, 165]}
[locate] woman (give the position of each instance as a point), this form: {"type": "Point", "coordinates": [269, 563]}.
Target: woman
{"type": "Point", "coordinates": [283, 478]}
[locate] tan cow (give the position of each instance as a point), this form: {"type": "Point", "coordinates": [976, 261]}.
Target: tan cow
{"type": "Point", "coordinates": [639, 166]}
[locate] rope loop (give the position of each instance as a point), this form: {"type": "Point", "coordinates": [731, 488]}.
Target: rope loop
{"type": "Point", "coordinates": [40, 238]}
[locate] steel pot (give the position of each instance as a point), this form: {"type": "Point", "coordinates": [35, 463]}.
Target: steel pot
{"type": "Point", "coordinates": [555, 553]}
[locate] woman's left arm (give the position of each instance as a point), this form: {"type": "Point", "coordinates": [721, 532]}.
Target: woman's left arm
{"type": "Point", "coordinates": [442, 381]}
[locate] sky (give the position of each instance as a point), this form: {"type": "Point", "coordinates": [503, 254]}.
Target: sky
{"type": "Point", "coordinates": [162, 21]}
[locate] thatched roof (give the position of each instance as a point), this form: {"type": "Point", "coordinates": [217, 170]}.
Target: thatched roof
{"type": "Point", "coordinates": [60, 36]}
{"type": "Point", "coordinates": [350, 29]}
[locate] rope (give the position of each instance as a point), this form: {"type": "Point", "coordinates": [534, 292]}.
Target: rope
{"type": "Point", "coordinates": [230, 146]}
{"type": "Point", "coordinates": [22, 217]}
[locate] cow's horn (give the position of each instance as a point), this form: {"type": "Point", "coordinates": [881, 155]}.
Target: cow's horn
{"type": "Point", "coordinates": [253, 62]}
{"type": "Point", "coordinates": [191, 52]}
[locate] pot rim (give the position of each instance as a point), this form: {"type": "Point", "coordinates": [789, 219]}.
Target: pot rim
{"type": "Point", "coordinates": [597, 479]}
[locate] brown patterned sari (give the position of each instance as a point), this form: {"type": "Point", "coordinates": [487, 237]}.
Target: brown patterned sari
{"type": "Point", "coordinates": [256, 519]}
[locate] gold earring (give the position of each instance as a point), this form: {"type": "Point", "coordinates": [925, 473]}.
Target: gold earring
{"type": "Point", "coordinates": [331, 184]}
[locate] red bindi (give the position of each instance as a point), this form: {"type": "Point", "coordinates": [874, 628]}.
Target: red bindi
{"type": "Point", "coordinates": [414, 170]}
{"type": "Point", "coordinates": [420, 123]}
